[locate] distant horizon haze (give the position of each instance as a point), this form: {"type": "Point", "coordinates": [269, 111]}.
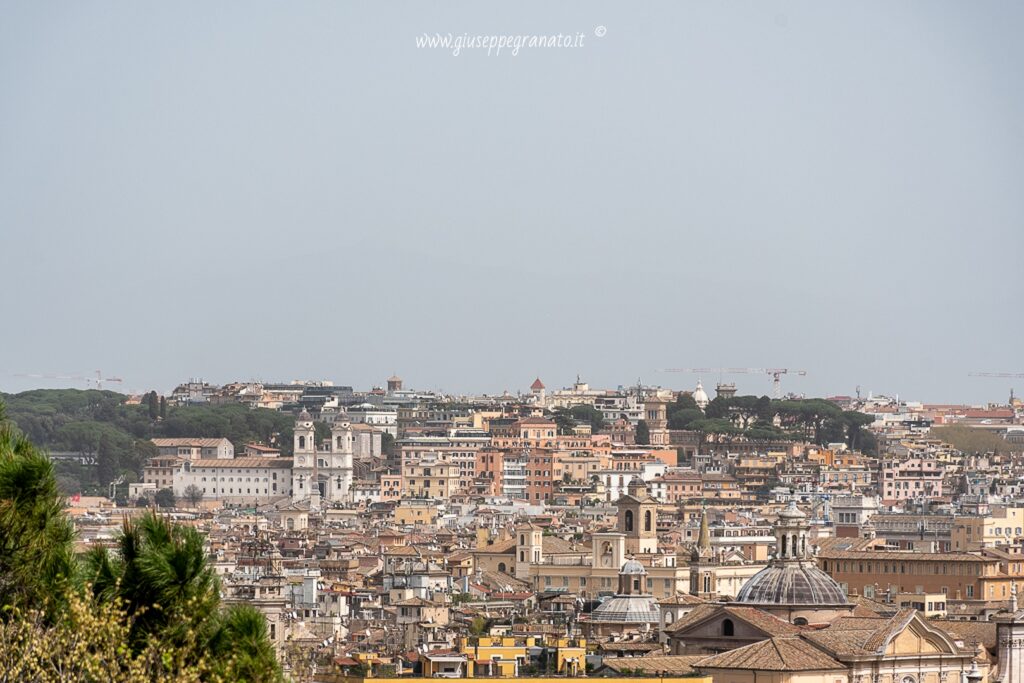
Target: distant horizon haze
{"type": "Point", "coordinates": [310, 190]}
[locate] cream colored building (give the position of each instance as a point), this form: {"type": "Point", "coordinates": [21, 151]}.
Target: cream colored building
{"type": "Point", "coordinates": [430, 477]}
{"type": "Point", "coordinates": [1002, 527]}
{"type": "Point", "coordinates": [591, 570]}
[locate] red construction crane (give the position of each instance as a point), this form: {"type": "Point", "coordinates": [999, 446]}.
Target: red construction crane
{"type": "Point", "coordinates": [776, 374]}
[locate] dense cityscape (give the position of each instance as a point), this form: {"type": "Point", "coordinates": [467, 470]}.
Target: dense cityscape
{"type": "Point", "coordinates": [576, 531]}
{"type": "Point", "coordinates": [675, 341]}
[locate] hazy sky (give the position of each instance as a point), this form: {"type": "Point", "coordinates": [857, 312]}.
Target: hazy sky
{"type": "Point", "coordinates": [280, 190]}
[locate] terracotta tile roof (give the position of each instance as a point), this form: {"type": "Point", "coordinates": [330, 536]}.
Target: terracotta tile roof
{"type": "Point", "coordinates": [682, 599]}
{"type": "Point", "coordinates": [970, 632]}
{"type": "Point", "coordinates": [274, 463]}
{"type": "Point", "coordinates": [681, 665]}
{"type": "Point", "coordinates": [866, 607]}
{"type": "Point", "coordinates": [884, 555]}
{"type": "Point", "coordinates": [501, 547]}
{"type": "Point", "coordinates": [859, 636]}
{"type": "Point", "coordinates": [774, 654]}
{"type": "Point", "coordinates": [191, 443]}
{"type": "Point", "coordinates": [762, 621]}
{"type": "Point", "coordinates": [414, 602]}
{"type": "Point", "coordinates": [630, 647]}
{"type": "Point", "coordinates": [537, 421]}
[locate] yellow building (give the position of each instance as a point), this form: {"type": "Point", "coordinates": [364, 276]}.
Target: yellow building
{"type": "Point", "coordinates": [502, 657]}
{"type": "Point", "coordinates": [416, 511]}
{"type": "Point", "coordinates": [1003, 526]}
{"type": "Point", "coordinates": [431, 478]}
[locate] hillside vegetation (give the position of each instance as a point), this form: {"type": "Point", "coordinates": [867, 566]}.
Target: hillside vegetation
{"type": "Point", "coordinates": [972, 440]}
{"type": "Point", "coordinates": [100, 424]}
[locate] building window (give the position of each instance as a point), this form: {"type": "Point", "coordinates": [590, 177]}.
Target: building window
{"type": "Point", "coordinates": [628, 520]}
{"type": "Point", "coordinates": [728, 629]}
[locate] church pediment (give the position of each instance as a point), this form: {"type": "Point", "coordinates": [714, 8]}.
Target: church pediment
{"type": "Point", "coordinates": [909, 634]}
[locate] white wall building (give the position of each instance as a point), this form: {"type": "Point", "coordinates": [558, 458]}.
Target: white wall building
{"type": "Point", "coordinates": [384, 419]}
{"type": "Point", "coordinates": [239, 481]}
{"type": "Point", "coordinates": [194, 448]}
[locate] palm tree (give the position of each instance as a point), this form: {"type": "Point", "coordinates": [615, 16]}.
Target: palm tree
{"type": "Point", "coordinates": [36, 537]}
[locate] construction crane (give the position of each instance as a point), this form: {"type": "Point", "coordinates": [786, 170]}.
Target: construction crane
{"type": "Point", "coordinates": [776, 374]}
{"type": "Point", "coordinates": [98, 380]}
{"type": "Point", "coordinates": [1010, 375]}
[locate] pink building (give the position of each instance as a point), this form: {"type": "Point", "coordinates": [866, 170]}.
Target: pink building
{"type": "Point", "coordinates": [911, 479]}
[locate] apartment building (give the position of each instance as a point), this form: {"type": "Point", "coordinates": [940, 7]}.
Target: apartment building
{"type": "Point", "coordinates": [1004, 526]}
{"type": "Point", "coordinates": [431, 476]}
{"type": "Point", "coordinates": [959, 576]}
{"type": "Point", "coordinates": [911, 479]}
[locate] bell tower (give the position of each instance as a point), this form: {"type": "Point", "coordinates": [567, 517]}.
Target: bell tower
{"type": "Point", "coordinates": [339, 483]}
{"type": "Point", "coordinates": [703, 564]}
{"type": "Point", "coordinates": [638, 518]}
{"type": "Point", "coordinates": [304, 453]}
{"type": "Point", "coordinates": [656, 414]}
{"type": "Point", "coordinates": [529, 548]}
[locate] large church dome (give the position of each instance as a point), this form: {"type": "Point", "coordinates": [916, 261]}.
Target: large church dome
{"type": "Point", "coordinates": [792, 578]}
{"type": "Point", "coordinates": [791, 584]}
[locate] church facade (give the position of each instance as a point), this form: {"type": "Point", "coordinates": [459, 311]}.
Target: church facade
{"type": "Point", "coordinates": [322, 473]}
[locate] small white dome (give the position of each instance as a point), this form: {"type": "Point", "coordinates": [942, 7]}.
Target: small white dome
{"type": "Point", "coordinates": [632, 567]}
{"type": "Point", "coordinates": [700, 396]}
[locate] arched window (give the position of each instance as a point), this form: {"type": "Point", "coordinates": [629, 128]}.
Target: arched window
{"type": "Point", "coordinates": [522, 539]}
{"type": "Point", "coordinates": [800, 621]}
{"type": "Point", "coordinates": [783, 551]}
{"type": "Point", "coordinates": [727, 628]}
{"type": "Point", "coordinates": [302, 442]}
{"type": "Point", "coordinates": [647, 520]}
{"type": "Point", "coordinates": [669, 617]}
{"type": "Point", "coordinates": [522, 556]}
{"type": "Point", "coordinates": [629, 520]}
{"type": "Point", "coordinates": [707, 583]}
{"type": "Point", "coordinates": [501, 567]}
{"type": "Point", "coordinates": [796, 547]}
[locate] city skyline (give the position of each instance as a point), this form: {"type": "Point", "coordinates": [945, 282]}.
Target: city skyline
{"type": "Point", "coordinates": [305, 192]}
{"type": "Point", "coordinates": [750, 383]}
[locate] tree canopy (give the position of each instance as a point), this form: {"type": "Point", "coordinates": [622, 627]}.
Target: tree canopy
{"type": "Point", "coordinates": [762, 419]}
{"type": "Point", "coordinates": [102, 425]}
{"type": "Point", "coordinates": [153, 612]}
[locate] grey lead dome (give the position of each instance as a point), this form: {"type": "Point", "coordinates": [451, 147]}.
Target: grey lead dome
{"type": "Point", "coordinates": [792, 583]}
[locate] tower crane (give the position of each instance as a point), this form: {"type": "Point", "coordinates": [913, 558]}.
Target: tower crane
{"type": "Point", "coordinates": [1010, 375]}
{"type": "Point", "coordinates": [98, 380]}
{"type": "Point", "coordinates": [776, 374]}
